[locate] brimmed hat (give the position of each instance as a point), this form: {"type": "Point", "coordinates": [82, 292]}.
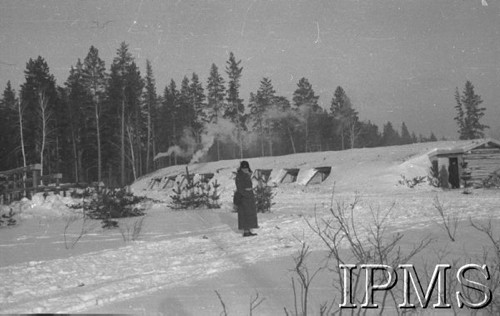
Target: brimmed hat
{"type": "Point", "coordinates": [245, 164]}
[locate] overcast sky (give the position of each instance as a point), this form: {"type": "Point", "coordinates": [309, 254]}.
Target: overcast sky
{"type": "Point", "coordinates": [398, 60]}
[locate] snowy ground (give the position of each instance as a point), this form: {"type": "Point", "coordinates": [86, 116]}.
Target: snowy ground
{"type": "Point", "coordinates": [182, 257]}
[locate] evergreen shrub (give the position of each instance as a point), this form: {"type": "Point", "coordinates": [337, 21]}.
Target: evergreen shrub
{"type": "Point", "coordinates": [106, 205]}
{"type": "Point", "coordinates": [264, 196]}
{"type": "Point", "coordinates": [191, 194]}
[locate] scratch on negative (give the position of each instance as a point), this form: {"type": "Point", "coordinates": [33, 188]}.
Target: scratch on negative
{"type": "Point", "coordinates": [318, 39]}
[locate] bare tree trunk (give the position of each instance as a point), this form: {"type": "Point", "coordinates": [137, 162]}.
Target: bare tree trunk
{"type": "Point", "coordinates": [141, 159]}
{"type": "Point", "coordinates": [291, 139]}
{"type": "Point", "coordinates": [153, 142]}
{"type": "Point", "coordinates": [218, 148]}
{"type": "Point", "coordinates": [241, 144]}
{"type": "Point", "coordinates": [352, 135]}
{"type": "Point", "coordinates": [342, 135]}
{"type": "Point", "coordinates": [270, 146]}
{"type": "Point", "coordinates": [138, 147]}
{"type": "Point", "coordinates": [262, 139]}
{"type": "Point", "coordinates": [240, 136]}
{"type": "Point", "coordinates": [174, 134]}
{"type": "Point", "coordinates": [58, 169]}
{"type": "Point", "coordinates": [74, 147]}
{"type": "Point", "coordinates": [122, 148]}
{"type": "Point", "coordinates": [307, 135]}
{"type": "Point", "coordinates": [111, 176]}
{"type": "Point", "coordinates": [81, 174]}
{"type": "Point", "coordinates": [98, 133]}
{"type": "Point", "coordinates": [217, 138]}
{"type": "Point", "coordinates": [75, 153]}
{"type": "Point", "coordinates": [44, 116]}
{"type": "Point", "coordinates": [132, 155]}
{"type": "Point", "coordinates": [19, 109]}
{"type": "Point", "coordinates": [148, 141]}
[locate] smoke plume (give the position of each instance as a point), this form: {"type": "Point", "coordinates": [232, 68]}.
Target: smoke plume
{"type": "Point", "coordinates": [189, 146]}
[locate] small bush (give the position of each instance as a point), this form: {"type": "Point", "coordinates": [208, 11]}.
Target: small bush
{"type": "Point", "coordinates": [195, 194]}
{"type": "Point", "coordinates": [373, 243]}
{"type": "Point", "coordinates": [108, 223]}
{"type": "Point", "coordinates": [433, 177]}
{"type": "Point", "coordinates": [448, 222]}
{"type": "Point", "coordinates": [7, 219]}
{"type": "Point", "coordinates": [438, 177]}
{"type": "Point", "coordinates": [109, 204]}
{"type": "Point", "coordinates": [411, 183]}
{"type": "Point", "coordinates": [264, 198]}
{"type": "Point", "coordinates": [493, 180]}
{"type": "Point", "coordinates": [132, 232]}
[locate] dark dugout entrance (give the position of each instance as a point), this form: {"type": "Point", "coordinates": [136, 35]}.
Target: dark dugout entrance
{"type": "Point", "coordinates": [453, 174]}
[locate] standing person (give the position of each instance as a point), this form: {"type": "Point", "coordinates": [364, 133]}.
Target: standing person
{"type": "Point", "coordinates": [247, 212]}
{"type": "Point", "coordinates": [453, 174]}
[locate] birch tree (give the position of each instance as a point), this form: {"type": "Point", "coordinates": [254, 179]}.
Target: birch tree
{"type": "Point", "coordinates": [45, 116]}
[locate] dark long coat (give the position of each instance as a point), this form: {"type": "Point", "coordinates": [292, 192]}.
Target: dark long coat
{"type": "Point", "coordinates": [453, 175]}
{"type": "Point", "coordinates": [247, 211]}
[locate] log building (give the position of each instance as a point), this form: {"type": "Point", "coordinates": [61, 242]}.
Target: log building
{"type": "Point", "coordinates": [470, 163]}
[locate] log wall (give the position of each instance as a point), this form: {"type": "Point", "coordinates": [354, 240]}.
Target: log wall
{"type": "Point", "coordinates": [481, 163]}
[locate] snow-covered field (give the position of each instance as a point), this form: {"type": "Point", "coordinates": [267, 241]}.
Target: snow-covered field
{"type": "Point", "coordinates": [182, 257]}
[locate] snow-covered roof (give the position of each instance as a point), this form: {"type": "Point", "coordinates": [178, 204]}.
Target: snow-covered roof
{"type": "Point", "coordinates": [463, 147]}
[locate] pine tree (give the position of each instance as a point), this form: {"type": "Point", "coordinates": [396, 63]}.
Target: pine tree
{"type": "Point", "coordinates": [235, 109]}
{"type": "Point", "coordinates": [38, 90]}
{"type": "Point", "coordinates": [469, 113]}
{"type": "Point", "coordinates": [94, 79]}
{"type": "Point", "coordinates": [8, 129]}
{"type": "Point", "coordinates": [171, 108]}
{"type": "Point", "coordinates": [432, 138]}
{"type": "Point", "coordinates": [61, 145]}
{"type": "Point", "coordinates": [191, 194]}
{"type": "Point", "coordinates": [405, 135]}
{"type": "Point", "coordinates": [215, 96]}
{"type": "Point", "coordinates": [285, 122]}
{"type": "Point", "coordinates": [369, 135]}
{"type": "Point", "coordinates": [197, 99]}
{"type": "Point", "coordinates": [124, 98]}
{"type": "Point", "coordinates": [346, 116]}
{"type": "Point", "coordinates": [80, 112]}
{"type": "Point", "coordinates": [116, 108]}
{"type": "Point", "coordinates": [414, 138]}
{"type": "Point", "coordinates": [326, 130]}
{"type": "Point", "coordinates": [186, 107]}
{"type": "Point", "coordinates": [390, 136]}
{"type": "Point", "coordinates": [260, 104]}
{"type": "Point", "coordinates": [307, 103]}
{"type": "Point", "coordinates": [136, 120]}
{"type": "Point", "coordinates": [264, 196]}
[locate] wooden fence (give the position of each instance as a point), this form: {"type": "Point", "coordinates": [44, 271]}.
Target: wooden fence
{"type": "Point", "coordinates": [26, 181]}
